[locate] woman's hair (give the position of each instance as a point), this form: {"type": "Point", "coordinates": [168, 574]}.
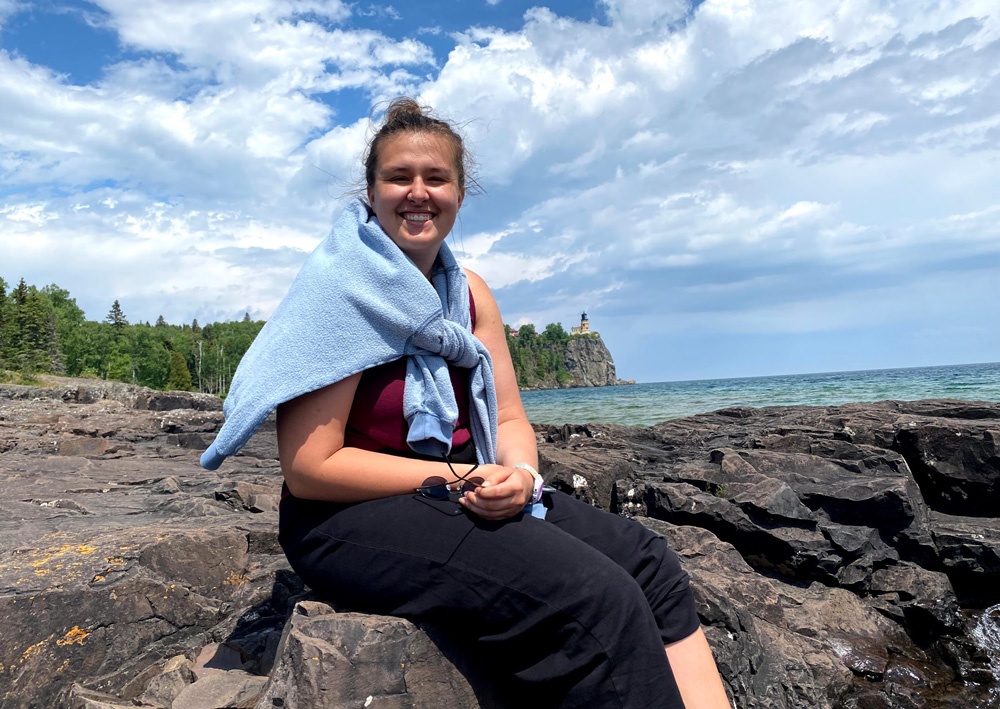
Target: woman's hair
{"type": "Point", "coordinates": [406, 115]}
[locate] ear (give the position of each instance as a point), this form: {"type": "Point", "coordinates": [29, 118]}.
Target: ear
{"type": "Point", "coordinates": [371, 201]}
{"type": "Point", "coordinates": [461, 197]}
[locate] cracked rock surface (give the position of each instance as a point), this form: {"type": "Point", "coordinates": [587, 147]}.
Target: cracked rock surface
{"type": "Point", "coordinates": [841, 556]}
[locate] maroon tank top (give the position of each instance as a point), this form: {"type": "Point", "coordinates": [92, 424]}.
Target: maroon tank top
{"type": "Point", "coordinates": [376, 420]}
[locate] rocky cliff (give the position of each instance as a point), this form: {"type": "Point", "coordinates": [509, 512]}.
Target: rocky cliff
{"type": "Point", "coordinates": [589, 362]}
{"type": "Point", "coordinates": [841, 556]}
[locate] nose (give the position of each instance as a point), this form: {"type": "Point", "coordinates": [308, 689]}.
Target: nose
{"type": "Point", "coordinates": [418, 190]}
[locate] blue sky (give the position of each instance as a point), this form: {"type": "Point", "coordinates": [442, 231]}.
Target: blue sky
{"type": "Point", "coordinates": [728, 188]}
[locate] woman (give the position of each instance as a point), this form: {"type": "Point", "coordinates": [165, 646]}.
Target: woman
{"type": "Point", "coordinates": [581, 608]}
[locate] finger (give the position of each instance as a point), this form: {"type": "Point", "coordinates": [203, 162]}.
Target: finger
{"type": "Point", "coordinates": [489, 508]}
{"type": "Point", "coordinates": [496, 492]}
{"type": "Point", "coordinates": [487, 503]}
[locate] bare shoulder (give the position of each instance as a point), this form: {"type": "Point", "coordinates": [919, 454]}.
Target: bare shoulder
{"type": "Point", "coordinates": [481, 292]}
{"type": "Point", "coordinates": [476, 281]}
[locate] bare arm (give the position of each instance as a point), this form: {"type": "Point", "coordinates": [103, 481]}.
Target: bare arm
{"type": "Point", "coordinates": [318, 466]}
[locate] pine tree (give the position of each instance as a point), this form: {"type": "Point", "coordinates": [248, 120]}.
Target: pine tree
{"type": "Point", "coordinates": [31, 331]}
{"type": "Point", "coordinates": [160, 322]}
{"type": "Point", "coordinates": [65, 321]}
{"type": "Point", "coordinates": [180, 375]}
{"type": "Point", "coordinates": [4, 321]}
{"type": "Point", "coordinates": [116, 317]}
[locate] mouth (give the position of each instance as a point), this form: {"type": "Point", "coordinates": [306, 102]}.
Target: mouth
{"type": "Point", "coordinates": [417, 217]}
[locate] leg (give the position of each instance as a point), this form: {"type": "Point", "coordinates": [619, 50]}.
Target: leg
{"type": "Point", "coordinates": [572, 627]}
{"type": "Point", "coordinates": [656, 568]}
{"type": "Point", "coordinates": [643, 554]}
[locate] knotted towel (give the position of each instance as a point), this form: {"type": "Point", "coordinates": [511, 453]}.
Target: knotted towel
{"type": "Point", "coordinates": [359, 302]}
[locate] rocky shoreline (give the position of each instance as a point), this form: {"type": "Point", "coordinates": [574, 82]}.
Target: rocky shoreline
{"type": "Point", "coordinates": [842, 556]}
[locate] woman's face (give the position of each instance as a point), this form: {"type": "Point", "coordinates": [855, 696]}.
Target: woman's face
{"type": "Point", "coordinates": [416, 195]}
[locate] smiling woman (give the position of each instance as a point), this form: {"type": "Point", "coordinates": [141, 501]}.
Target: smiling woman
{"type": "Point", "coordinates": [390, 370]}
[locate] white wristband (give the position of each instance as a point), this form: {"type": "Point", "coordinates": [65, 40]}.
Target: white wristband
{"type": "Point", "coordinates": [537, 482]}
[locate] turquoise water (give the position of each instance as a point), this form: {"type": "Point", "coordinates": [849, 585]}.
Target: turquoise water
{"type": "Point", "coordinates": [645, 404]}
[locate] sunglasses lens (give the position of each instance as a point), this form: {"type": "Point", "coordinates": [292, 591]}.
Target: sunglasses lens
{"type": "Point", "coordinates": [434, 488]}
{"type": "Point", "coordinates": [472, 484]}
{"type": "Point", "coordinates": [439, 492]}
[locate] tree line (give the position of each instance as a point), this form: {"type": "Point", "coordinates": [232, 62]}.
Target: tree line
{"type": "Point", "coordinates": [539, 357]}
{"type": "Point", "coordinates": [44, 331]}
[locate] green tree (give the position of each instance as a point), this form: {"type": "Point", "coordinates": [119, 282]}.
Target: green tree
{"type": "Point", "coordinates": [150, 356]}
{"type": "Point", "coordinates": [85, 350]}
{"type": "Point", "coordinates": [116, 318]}
{"type": "Point", "coordinates": [4, 324]}
{"type": "Point", "coordinates": [67, 317]}
{"type": "Point", "coordinates": [180, 376]}
{"type": "Point", "coordinates": [31, 339]}
{"type": "Point", "coordinates": [539, 360]}
{"type": "Point", "coordinates": [554, 333]}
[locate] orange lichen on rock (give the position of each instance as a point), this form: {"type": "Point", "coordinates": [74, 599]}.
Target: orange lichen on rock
{"type": "Point", "coordinates": [235, 579]}
{"type": "Point", "coordinates": [34, 649]}
{"type": "Point", "coordinates": [74, 637]}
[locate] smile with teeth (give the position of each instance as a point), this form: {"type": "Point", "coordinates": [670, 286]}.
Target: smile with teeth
{"type": "Point", "coordinates": [417, 216]}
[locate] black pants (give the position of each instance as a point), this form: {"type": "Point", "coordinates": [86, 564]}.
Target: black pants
{"type": "Point", "coordinates": [575, 608]}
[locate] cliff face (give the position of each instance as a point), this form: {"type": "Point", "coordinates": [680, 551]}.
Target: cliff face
{"type": "Point", "coordinates": [555, 360]}
{"type": "Point", "coordinates": [589, 362]}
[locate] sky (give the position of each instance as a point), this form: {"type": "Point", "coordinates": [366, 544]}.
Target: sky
{"type": "Point", "coordinates": [727, 188]}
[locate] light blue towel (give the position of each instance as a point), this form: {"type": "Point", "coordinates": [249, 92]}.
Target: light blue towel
{"type": "Point", "coordinates": [359, 302]}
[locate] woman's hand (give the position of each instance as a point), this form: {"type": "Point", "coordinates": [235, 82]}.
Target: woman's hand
{"type": "Point", "coordinates": [503, 494]}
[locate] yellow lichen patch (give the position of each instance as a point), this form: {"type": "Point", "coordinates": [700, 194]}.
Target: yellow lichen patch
{"type": "Point", "coordinates": [74, 637]}
{"type": "Point", "coordinates": [64, 550]}
{"type": "Point", "coordinates": [97, 579]}
{"type": "Point", "coordinates": [34, 650]}
{"type": "Point", "coordinates": [42, 572]}
{"type": "Point", "coordinates": [235, 579]}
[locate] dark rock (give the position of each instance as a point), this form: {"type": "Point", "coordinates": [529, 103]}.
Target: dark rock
{"type": "Point", "coordinates": [957, 464]}
{"type": "Point", "coordinates": [83, 698]}
{"type": "Point", "coordinates": [234, 689]}
{"type": "Point", "coordinates": [163, 689]}
{"type": "Point", "coordinates": [841, 556]}
{"type": "Point", "coordinates": [329, 660]}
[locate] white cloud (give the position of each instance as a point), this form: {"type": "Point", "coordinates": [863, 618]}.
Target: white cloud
{"type": "Point", "coordinates": [742, 167]}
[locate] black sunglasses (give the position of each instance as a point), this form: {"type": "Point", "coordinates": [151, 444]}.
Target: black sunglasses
{"type": "Point", "coordinates": [437, 488]}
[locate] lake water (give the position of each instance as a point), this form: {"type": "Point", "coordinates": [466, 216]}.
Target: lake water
{"type": "Point", "coordinates": [645, 404]}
